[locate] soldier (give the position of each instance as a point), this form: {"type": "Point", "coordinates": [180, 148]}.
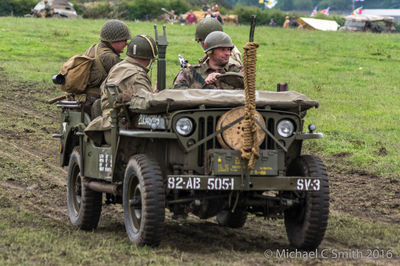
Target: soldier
{"type": "Point", "coordinates": [205, 27]}
{"type": "Point", "coordinates": [130, 75]}
{"type": "Point", "coordinates": [113, 39]}
{"type": "Point", "coordinates": [286, 23]}
{"type": "Point", "coordinates": [218, 46]}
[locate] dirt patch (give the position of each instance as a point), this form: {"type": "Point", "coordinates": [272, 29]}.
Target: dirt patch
{"type": "Point", "coordinates": [366, 196]}
{"type": "Point", "coordinates": [43, 190]}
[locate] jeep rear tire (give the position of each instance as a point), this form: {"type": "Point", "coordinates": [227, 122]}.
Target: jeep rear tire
{"type": "Point", "coordinates": [84, 204]}
{"type": "Point", "coordinates": [143, 201]}
{"type": "Point", "coordinates": [237, 219]}
{"type": "Point", "coordinates": [306, 222]}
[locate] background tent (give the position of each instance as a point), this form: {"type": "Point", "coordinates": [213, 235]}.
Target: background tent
{"type": "Point", "coordinates": [318, 24]}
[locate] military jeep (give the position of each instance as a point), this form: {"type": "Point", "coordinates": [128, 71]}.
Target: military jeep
{"type": "Point", "coordinates": [169, 150]}
{"type": "Point", "coordinates": [181, 150]}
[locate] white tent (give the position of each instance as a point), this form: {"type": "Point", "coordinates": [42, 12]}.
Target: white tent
{"type": "Point", "coordinates": [318, 24]}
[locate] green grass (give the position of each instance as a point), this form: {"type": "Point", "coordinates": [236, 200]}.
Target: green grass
{"type": "Point", "coordinates": [26, 239]}
{"type": "Point", "coordinates": [29, 239]}
{"type": "Point", "coordinates": [354, 76]}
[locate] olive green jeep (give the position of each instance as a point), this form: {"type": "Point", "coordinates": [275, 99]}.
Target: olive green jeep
{"type": "Point", "coordinates": [170, 150]}
{"type": "Point", "coordinates": [180, 149]}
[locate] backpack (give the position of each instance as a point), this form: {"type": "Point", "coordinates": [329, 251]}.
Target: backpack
{"type": "Point", "coordinates": [76, 72]}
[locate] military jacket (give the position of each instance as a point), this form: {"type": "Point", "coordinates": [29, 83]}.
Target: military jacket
{"type": "Point", "coordinates": [108, 58]}
{"type": "Point", "coordinates": [235, 59]}
{"type": "Point", "coordinates": [130, 76]}
{"type": "Point", "coordinates": [194, 77]}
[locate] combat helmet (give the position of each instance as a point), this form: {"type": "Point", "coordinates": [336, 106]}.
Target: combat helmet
{"type": "Point", "coordinates": [114, 30]}
{"type": "Point", "coordinates": [217, 39]}
{"type": "Point", "coordinates": [205, 27]}
{"type": "Point", "coordinates": [142, 46]}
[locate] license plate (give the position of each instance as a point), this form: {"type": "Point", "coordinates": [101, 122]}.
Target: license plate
{"type": "Point", "coordinates": [308, 184]}
{"type": "Point", "coordinates": [203, 183]}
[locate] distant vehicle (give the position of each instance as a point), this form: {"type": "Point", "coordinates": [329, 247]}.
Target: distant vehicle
{"type": "Point", "coordinates": [227, 19]}
{"type": "Point", "coordinates": [369, 23]}
{"type": "Point", "coordinates": [54, 8]}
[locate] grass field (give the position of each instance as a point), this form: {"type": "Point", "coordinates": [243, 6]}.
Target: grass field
{"type": "Point", "coordinates": [354, 76]}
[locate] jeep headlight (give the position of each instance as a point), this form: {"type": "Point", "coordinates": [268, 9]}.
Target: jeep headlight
{"type": "Point", "coordinates": [285, 128]}
{"type": "Point", "coordinates": [184, 126]}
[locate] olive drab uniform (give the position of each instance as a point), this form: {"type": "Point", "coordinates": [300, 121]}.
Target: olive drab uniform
{"type": "Point", "coordinates": [236, 57]}
{"type": "Point", "coordinates": [129, 76]}
{"type": "Point", "coordinates": [98, 72]}
{"type": "Point", "coordinates": [194, 77]}
{"type": "Point", "coordinates": [112, 31]}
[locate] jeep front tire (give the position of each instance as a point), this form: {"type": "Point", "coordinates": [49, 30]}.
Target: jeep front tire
{"type": "Point", "coordinates": [143, 201]}
{"type": "Point", "coordinates": [306, 222]}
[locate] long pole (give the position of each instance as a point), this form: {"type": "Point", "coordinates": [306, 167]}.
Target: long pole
{"type": "Point", "coordinates": [161, 61]}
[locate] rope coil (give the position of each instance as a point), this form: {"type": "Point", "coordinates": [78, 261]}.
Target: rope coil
{"type": "Point", "coordinates": [250, 149]}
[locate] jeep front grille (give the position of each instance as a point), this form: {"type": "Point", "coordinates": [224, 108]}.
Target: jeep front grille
{"type": "Point", "coordinates": [205, 125]}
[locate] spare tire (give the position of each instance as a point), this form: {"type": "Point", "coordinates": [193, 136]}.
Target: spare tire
{"type": "Point", "coordinates": [232, 137]}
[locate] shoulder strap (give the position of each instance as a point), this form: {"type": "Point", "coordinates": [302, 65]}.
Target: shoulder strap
{"type": "Point", "coordinates": [198, 77]}
{"type": "Point", "coordinates": [97, 60]}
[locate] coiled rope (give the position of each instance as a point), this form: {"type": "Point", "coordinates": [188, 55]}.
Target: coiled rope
{"type": "Point", "coordinates": [250, 150]}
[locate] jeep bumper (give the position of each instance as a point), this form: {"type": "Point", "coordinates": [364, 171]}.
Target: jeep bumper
{"type": "Point", "coordinates": [252, 183]}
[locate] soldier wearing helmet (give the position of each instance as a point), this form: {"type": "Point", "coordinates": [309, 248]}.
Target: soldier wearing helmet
{"type": "Point", "coordinates": [207, 75]}
{"type": "Point", "coordinates": [205, 27]}
{"type": "Point", "coordinates": [113, 39]}
{"type": "Point", "coordinates": [130, 75]}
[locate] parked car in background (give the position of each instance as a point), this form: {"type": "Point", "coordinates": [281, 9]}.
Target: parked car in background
{"type": "Point", "coordinates": [369, 23]}
{"type": "Point", "coordinates": [53, 8]}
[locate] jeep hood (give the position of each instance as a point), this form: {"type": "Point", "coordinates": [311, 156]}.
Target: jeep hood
{"type": "Point", "coordinates": [193, 98]}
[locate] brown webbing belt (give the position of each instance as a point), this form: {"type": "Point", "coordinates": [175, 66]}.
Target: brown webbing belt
{"type": "Point", "coordinates": [250, 150]}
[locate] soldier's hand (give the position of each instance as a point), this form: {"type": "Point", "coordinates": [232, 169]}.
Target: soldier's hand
{"type": "Point", "coordinates": [155, 89]}
{"type": "Point", "coordinates": [212, 78]}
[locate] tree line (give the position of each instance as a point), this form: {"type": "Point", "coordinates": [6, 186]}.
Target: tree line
{"type": "Point", "coordinates": [151, 9]}
{"type": "Point", "coordinates": [337, 5]}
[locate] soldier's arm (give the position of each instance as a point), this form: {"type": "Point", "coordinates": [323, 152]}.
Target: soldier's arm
{"type": "Point", "coordinates": [134, 83]}
{"type": "Point", "coordinates": [182, 80]}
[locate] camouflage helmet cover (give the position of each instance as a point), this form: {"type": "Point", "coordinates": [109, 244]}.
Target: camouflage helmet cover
{"type": "Point", "coordinates": [217, 39]}
{"type": "Point", "coordinates": [114, 30]}
{"type": "Point", "coordinates": [205, 27]}
{"type": "Point", "coordinates": [142, 46]}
